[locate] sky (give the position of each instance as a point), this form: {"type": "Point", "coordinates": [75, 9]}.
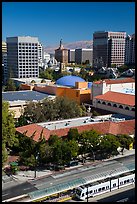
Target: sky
{"type": "Point", "coordinates": [69, 21]}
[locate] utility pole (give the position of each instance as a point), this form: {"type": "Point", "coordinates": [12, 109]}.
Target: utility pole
{"type": "Point", "coordinates": [87, 193]}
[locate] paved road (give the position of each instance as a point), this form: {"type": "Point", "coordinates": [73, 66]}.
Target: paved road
{"type": "Point", "coordinates": [18, 190]}
{"type": "Point", "coordinates": [86, 170]}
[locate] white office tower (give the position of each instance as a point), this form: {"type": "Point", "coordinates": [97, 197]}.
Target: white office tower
{"type": "Point", "coordinates": [22, 57]}
{"type": "Point", "coordinates": [46, 57]}
{"type": "Point", "coordinates": [40, 55]}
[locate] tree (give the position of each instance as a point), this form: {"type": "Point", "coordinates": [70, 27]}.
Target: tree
{"type": "Point", "coordinates": [8, 130]}
{"type": "Point", "coordinates": [10, 86]}
{"type": "Point", "coordinates": [113, 65]}
{"type": "Point", "coordinates": [8, 127]}
{"type": "Point", "coordinates": [125, 141]}
{"type": "Point", "coordinates": [53, 139]}
{"type": "Point", "coordinates": [108, 145]}
{"type": "Point", "coordinates": [48, 110]}
{"type": "Point", "coordinates": [21, 121]}
{"type": "Point", "coordinates": [73, 145]}
{"type": "Point", "coordinates": [73, 134]}
{"type": "Point", "coordinates": [4, 154]}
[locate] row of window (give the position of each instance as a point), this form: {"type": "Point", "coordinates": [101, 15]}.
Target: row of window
{"type": "Point", "coordinates": [26, 44]}
{"type": "Point", "coordinates": [28, 76]}
{"type": "Point", "coordinates": [115, 105]}
{"type": "Point", "coordinates": [28, 53]}
{"type": "Point", "coordinates": [107, 187]}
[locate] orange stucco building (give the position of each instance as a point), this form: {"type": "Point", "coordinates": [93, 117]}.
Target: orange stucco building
{"type": "Point", "coordinates": [80, 93]}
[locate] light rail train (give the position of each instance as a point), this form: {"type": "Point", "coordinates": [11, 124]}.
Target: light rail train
{"type": "Point", "coordinates": [105, 185]}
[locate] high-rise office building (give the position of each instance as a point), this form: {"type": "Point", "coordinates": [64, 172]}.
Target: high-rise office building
{"type": "Point", "coordinates": [22, 57]}
{"type": "Point", "coordinates": [4, 47]}
{"type": "Point", "coordinates": [71, 55]}
{"type": "Point", "coordinates": [83, 55]}
{"type": "Point", "coordinates": [4, 62]}
{"type": "Point", "coordinates": [108, 48]}
{"type": "Point", "coordinates": [61, 54]}
{"type": "Point", "coordinates": [130, 49]}
{"type": "Point", "coordinates": [40, 54]}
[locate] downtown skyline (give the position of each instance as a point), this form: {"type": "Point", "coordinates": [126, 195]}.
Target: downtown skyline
{"type": "Point", "coordinates": [70, 21]}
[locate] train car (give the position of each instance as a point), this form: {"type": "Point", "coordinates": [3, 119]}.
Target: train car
{"type": "Point", "coordinates": [104, 185]}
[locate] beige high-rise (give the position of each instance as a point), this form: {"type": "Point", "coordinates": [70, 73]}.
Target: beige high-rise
{"type": "Point", "coordinates": [61, 54]}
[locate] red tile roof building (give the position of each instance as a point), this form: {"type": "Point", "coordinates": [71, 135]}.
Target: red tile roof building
{"type": "Point", "coordinates": [116, 81]}
{"type": "Point", "coordinates": [122, 127]}
{"type": "Point", "coordinates": [121, 98]}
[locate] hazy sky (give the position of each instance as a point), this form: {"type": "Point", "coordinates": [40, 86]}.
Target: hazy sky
{"type": "Point", "coordinates": [71, 21]}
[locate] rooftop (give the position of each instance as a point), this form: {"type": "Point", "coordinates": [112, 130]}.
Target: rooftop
{"type": "Point", "coordinates": [24, 96]}
{"type": "Point", "coordinates": [122, 98]}
{"type": "Point", "coordinates": [62, 127]}
{"type": "Point", "coordinates": [116, 81]}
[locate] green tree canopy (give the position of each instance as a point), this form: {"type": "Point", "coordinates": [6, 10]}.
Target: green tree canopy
{"type": "Point", "coordinates": [73, 134]}
{"type": "Point", "coordinates": [49, 110]}
{"type": "Point", "coordinates": [10, 86]}
{"type": "Point", "coordinates": [125, 140]}
{"type": "Point", "coordinates": [8, 130]}
{"type": "Point", "coordinates": [8, 127]}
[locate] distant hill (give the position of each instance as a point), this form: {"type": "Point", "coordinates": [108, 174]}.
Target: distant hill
{"type": "Point", "coordinates": [71, 45]}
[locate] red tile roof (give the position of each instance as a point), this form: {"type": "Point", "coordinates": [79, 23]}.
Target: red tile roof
{"type": "Point", "coordinates": [126, 99]}
{"type": "Point", "coordinates": [122, 127]}
{"type": "Point", "coordinates": [28, 130]}
{"type": "Point", "coordinates": [116, 81]}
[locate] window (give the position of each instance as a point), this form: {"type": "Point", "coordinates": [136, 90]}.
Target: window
{"type": "Point", "coordinates": [125, 181]}
{"type": "Point", "coordinates": [109, 104]}
{"type": "Point", "coordinates": [103, 188]}
{"type": "Point", "coordinates": [98, 101]}
{"type": "Point", "coordinates": [127, 108]}
{"type": "Point", "coordinates": [99, 189]}
{"type": "Point", "coordinates": [91, 191]}
{"type": "Point", "coordinates": [114, 184]}
{"type": "Point", "coordinates": [104, 103]}
{"type": "Point", "coordinates": [133, 109]}
{"type": "Point", "coordinates": [121, 106]}
{"type": "Point", "coordinates": [82, 194]}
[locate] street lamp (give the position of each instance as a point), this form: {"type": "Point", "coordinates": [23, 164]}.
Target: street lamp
{"type": "Point", "coordinates": [93, 153]}
{"type": "Point", "coordinates": [36, 159]}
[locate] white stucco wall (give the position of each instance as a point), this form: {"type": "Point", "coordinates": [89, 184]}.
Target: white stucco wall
{"type": "Point", "coordinates": [114, 109]}
{"type": "Point", "coordinates": [99, 89]}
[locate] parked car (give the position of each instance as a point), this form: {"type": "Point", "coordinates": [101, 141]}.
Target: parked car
{"type": "Point", "coordinates": [72, 163]}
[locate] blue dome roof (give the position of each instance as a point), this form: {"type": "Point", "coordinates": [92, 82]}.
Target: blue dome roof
{"type": "Point", "coordinates": [69, 80]}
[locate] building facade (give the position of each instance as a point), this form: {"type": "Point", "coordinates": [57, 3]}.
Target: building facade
{"type": "Point", "coordinates": [71, 56]}
{"type": "Point", "coordinates": [130, 49]}
{"type": "Point", "coordinates": [4, 62]}
{"type": "Point", "coordinates": [61, 54]}
{"type": "Point", "coordinates": [83, 55]}
{"type": "Point", "coordinates": [108, 48]}
{"type": "Point", "coordinates": [40, 55]}
{"type": "Point", "coordinates": [4, 47]}
{"type": "Point", "coordinates": [22, 57]}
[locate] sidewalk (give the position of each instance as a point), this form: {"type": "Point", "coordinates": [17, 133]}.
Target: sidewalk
{"type": "Point", "coordinates": [125, 153]}
{"type": "Point", "coordinates": [23, 176]}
